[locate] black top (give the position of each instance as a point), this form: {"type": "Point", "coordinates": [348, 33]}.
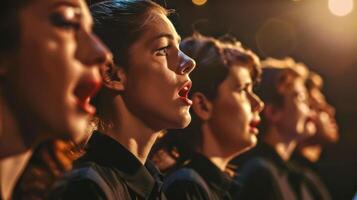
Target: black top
{"type": "Point", "coordinates": [264, 175]}
{"type": "Point", "coordinates": [109, 171]}
{"type": "Point", "coordinates": [311, 178]}
{"type": "Point", "coordinates": [207, 181]}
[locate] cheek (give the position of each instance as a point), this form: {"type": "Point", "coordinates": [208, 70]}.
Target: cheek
{"type": "Point", "coordinates": [233, 113]}
{"type": "Point", "coordinates": [152, 86]}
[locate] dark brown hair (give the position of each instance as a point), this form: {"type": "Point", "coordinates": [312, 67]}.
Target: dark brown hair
{"type": "Point", "coordinates": [9, 24]}
{"type": "Point", "coordinates": [119, 23]}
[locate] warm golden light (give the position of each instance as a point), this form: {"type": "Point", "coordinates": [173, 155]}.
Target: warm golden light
{"type": "Point", "coordinates": [340, 7]}
{"type": "Point", "coordinates": [199, 2]}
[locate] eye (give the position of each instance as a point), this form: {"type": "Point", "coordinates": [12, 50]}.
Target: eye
{"type": "Point", "coordinates": [246, 89]}
{"type": "Point", "coordinates": [163, 51]}
{"type": "Point", "coordinates": [66, 18]}
{"type": "Point", "coordinates": [242, 90]}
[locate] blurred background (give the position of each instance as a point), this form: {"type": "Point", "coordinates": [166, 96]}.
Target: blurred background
{"type": "Point", "coordinates": [319, 33]}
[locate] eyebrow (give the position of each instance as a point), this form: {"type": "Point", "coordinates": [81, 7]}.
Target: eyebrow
{"type": "Point", "coordinates": [70, 3]}
{"type": "Point", "coordinates": [245, 85]}
{"type": "Point", "coordinates": [169, 36]}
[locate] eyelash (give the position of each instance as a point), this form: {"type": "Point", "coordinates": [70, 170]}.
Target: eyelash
{"type": "Point", "coordinates": [163, 50]}
{"type": "Point", "coordinates": [58, 20]}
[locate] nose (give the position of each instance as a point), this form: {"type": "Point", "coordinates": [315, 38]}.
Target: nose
{"type": "Point", "coordinates": [91, 51]}
{"type": "Point", "coordinates": [186, 65]}
{"type": "Point", "coordinates": [256, 102]}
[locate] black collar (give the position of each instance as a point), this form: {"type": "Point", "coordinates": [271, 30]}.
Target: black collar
{"type": "Point", "coordinates": [266, 151]}
{"type": "Point", "coordinates": [299, 159]}
{"type": "Point", "coordinates": [214, 177]}
{"type": "Point", "coordinates": [106, 151]}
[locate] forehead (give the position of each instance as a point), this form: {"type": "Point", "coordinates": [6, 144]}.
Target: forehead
{"type": "Point", "coordinates": [296, 86]}
{"type": "Point", "coordinates": [240, 74]}
{"type": "Point", "coordinates": [44, 7]}
{"type": "Point", "coordinates": [159, 25]}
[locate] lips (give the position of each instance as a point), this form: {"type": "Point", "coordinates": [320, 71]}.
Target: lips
{"type": "Point", "coordinates": [254, 126]}
{"type": "Point", "coordinates": [183, 93]}
{"type": "Point", "coordinates": [84, 91]}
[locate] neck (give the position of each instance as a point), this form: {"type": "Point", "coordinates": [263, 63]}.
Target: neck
{"type": "Point", "coordinates": [282, 145]}
{"type": "Point", "coordinates": [130, 131]}
{"type": "Point", "coordinates": [311, 153]}
{"type": "Point", "coordinates": [10, 170]}
{"type": "Point", "coordinates": [219, 154]}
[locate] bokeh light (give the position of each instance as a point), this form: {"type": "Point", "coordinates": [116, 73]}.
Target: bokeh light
{"type": "Point", "coordinates": [199, 2]}
{"type": "Point", "coordinates": [340, 7]}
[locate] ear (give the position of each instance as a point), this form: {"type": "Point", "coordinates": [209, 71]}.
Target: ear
{"type": "Point", "coordinates": [201, 106]}
{"type": "Point", "coordinates": [272, 113]}
{"type": "Point", "coordinates": [114, 77]}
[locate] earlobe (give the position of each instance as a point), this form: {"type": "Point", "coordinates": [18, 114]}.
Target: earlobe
{"type": "Point", "coordinates": [201, 106]}
{"type": "Point", "coordinates": [114, 77]}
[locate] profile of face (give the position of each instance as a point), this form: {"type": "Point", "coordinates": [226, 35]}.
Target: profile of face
{"type": "Point", "coordinates": [294, 116]}
{"type": "Point", "coordinates": [157, 79]}
{"type": "Point", "coordinates": [55, 70]}
{"type": "Point", "coordinates": [235, 111]}
{"type": "Point", "coordinates": [324, 116]}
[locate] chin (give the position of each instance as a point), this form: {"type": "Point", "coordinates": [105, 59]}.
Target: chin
{"type": "Point", "coordinates": [249, 145]}
{"type": "Point", "coordinates": [186, 121]}
{"type": "Point", "coordinates": [77, 128]}
{"type": "Point", "coordinates": [182, 122]}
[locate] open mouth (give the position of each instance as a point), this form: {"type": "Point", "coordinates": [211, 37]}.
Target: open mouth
{"type": "Point", "coordinates": [183, 93]}
{"type": "Point", "coordinates": [254, 126]}
{"type": "Point", "coordinates": [84, 91]}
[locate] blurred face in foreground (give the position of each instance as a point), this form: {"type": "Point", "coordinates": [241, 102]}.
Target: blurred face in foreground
{"type": "Point", "coordinates": [55, 71]}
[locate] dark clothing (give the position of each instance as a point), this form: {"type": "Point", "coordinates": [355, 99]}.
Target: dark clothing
{"type": "Point", "coordinates": [109, 171]}
{"type": "Point", "coordinates": [206, 182]}
{"type": "Point", "coordinates": [51, 159]}
{"type": "Point", "coordinates": [311, 179]}
{"type": "Point", "coordinates": [264, 175]}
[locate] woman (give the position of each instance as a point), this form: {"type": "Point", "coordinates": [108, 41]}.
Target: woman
{"type": "Point", "coordinates": [265, 172]}
{"type": "Point", "coordinates": [309, 150]}
{"type": "Point", "coordinates": [225, 114]}
{"type": "Point", "coordinates": [46, 78]}
{"type": "Point", "coordinates": [145, 92]}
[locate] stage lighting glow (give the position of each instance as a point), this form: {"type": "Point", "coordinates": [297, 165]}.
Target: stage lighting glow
{"type": "Point", "coordinates": [340, 7]}
{"type": "Point", "coordinates": [199, 2]}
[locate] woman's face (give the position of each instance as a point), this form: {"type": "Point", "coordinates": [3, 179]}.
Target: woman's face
{"type": "Point", "coordinates": [235, 111]}
{"type": "Point", "coordinates": [295, 116]}
{"type": "Point", "coordinates": [324, 118]}
{"type": "Point", "coordinates": [56, 68]}
{"type": "Point", "coordinates": [158, 77]}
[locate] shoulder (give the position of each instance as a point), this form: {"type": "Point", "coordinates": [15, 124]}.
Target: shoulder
{"type": "Point", "coordinates": [89, 180]}
{"type": "Point", "coordinates": [77, 189]}
{"type": "Point", "coordinates": [186, 183]}
{"type": "Point", "coordinates": [258, 171]}
{"type": "Point", "coordinates": [257, 164]}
